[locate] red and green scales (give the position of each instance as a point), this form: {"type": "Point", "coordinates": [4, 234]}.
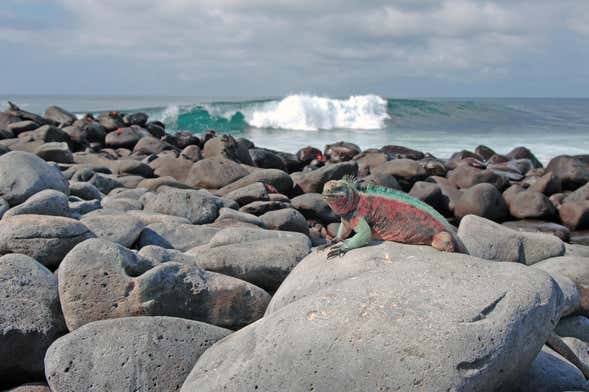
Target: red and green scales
{"type": "Point", "coordinates": [377, 213]}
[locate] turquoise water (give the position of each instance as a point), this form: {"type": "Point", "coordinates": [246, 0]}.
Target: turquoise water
{"type": "Point", "coordinates": [547, 126]}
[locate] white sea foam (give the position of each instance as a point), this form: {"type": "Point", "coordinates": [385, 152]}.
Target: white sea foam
{"type": "Point", "coordinates": [309, 113]}
{"type": "Point", "coordinates": [169, 115]}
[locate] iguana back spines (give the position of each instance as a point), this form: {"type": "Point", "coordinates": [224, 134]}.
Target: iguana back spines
{"type": "Point", "coordinates": [403, 197]}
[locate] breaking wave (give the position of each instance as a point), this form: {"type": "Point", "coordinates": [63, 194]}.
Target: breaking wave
{"type": "Point", "coordinates": [296, 112]}
{"type": "Point", "coordinates": [311, 113]}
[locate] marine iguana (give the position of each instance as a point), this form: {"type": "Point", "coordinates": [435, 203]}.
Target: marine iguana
{"type": "Point", "coordinates": [378, 213]}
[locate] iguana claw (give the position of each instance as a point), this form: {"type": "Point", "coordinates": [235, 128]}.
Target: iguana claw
{"type": "Point", "coordinates": [336, 250]}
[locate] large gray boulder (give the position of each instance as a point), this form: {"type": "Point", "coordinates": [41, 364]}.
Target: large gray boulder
{"type": "Point", "coordinates": [266, 159]}
{"type": "Point", "coordinates": [313, 181]}
{"type": "Point", "coordinates": [492, 241]}
{"type": "Point", "coordinates": [465, 176]}
{"type": "Point", "coordinates": [406, 171]}
{"type": "Point", "coordinates": [124, 193]}
{"type": "Point", "coordinates": [570, 300]}
{"type": "Point", "coordinates": [23, 174]}
{"type": "Point", "coordinates": [550, 373]}
{"type": "Point", "coordinates": [579, 347]}
{"type": "Point", "coordinates": [575, 214]}
{"type": "Point", "coordinates": [287, 219]}
{"type": "Point", "coordinates": [381, 179]}
{"type": "Point", "coordinates": [530, 204]}
{"type": "Point", "coordinates": [368, 160]}
{"type": "Point", "coordinates": [313, 206]}
{"type": "Point", "coordinates": [262, 257]}
{"type": "Point", "coordinates": [430, 193]}
{"type": "Point", "coordinates": [129, 354]}
{"type": "Point", "coordinates": [111, 121]}
{"type": "Point", "coordinates": [138, 118]}
{"type": "Point", "coordinates": [82, 207]}
{"type": "Point", "coordinates": [248, 194]}
{"type": "Point", "coordinates": [30, 318]}
{"type": "Point", "coordinates": [581, 193]}
{"type": "Point", "coordinates": [121, 204]}
{"type": "Point", "coordinates": [540, 226]}
{"type": "Point", "coordinates": [153, 217]}
{"type": "Point", "coordinates": [46, 202]}
{"type": "Point", "coordinates": [55, 152]}
{"type": "Point", "coordinates": [522, 153]}
{"type": "Point", "coordinates": [277, 179]}
{"type": "Point", "coordinates": [577, 250]}
{"type": "Point", "coordinates": [227, 147]}
{"type": "Point", "coordinates": [571, 171]}
{"type": "Point", "coordinates": [20, 126]}
{"type": "Point", "coordinates": [389, 317]}
{"type": "Point", "coordinates": [85, 190]}
{"type": "Point", "coordinates": [105, 182]}
{"type": "Point", "coordinates": [574, 327]}
{"type": "Point", "coordinates": [48, 133]}
{"type": "Point", "coordinates": [574, 267]}
{"type": "Point", "coordinates": [150, 145]}
{"type": "Point", "coordinates": [481, 200]}
{"type": "Point", "coordinates": [125, 137]}
{"type": "Point", "coordinates": [120, 228]}
{"type": "Point", "coordinates": [132, 167]}
{"type": "Point", "coordinates": [31, 387]}
{"type": "Point", "coordinates": [171, 166]}
{"type": "Point", "coordinates": [174, 235]}
{"type": "Point", "coordinates": [228, 216]}
{"type": "Point", "coordinates": [214, 173]}
{"type": "Point", "coordinates": [60, 115]}
{"type": "Point", "coordinates": [261, 207]}
{"type": "Point", "coordinates": [47, 239]}
{"type": "Point", "coordinates": [99, 279]}
{"type": "Point", "coordinates": [198, 206]}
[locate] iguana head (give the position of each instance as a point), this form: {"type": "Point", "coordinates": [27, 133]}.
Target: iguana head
{"type": "Point", "coordinates": [341, 195]}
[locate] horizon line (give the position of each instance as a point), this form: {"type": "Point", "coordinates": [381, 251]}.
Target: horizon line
{"type": "Point", "coordinates": [5, 95]}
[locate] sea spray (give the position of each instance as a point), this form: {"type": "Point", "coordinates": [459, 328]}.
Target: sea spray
{"type": "Point", "coordinates": [310, 113]}
{"type": "Point", "coordinates": [170, 114]}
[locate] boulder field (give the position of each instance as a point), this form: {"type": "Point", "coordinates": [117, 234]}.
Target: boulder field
{"type": "Point", "coordinates": [137, 259]}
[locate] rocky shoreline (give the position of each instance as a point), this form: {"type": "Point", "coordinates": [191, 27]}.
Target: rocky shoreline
{"type": "Point", "coordinates": [137, 259]}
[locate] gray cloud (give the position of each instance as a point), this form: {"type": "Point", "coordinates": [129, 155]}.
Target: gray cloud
{"type": "Point", "coordinates": [275, 46]}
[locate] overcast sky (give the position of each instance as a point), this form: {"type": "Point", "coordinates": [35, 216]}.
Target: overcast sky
{"type": "Point", "coordinates": [396, 48]}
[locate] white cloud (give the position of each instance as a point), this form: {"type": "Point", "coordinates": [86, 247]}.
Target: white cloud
{"type": "Point", "coordinates": [328, 41]}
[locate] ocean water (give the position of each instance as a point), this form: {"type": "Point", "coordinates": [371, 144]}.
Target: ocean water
{"type": "Point", "coordinates": [548, 126]}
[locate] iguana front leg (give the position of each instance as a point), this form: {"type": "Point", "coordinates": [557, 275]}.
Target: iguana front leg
{"type": "Point", "coordinates": [343, 231]}
{"type": "Point", "coordinates": [361, 238]}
